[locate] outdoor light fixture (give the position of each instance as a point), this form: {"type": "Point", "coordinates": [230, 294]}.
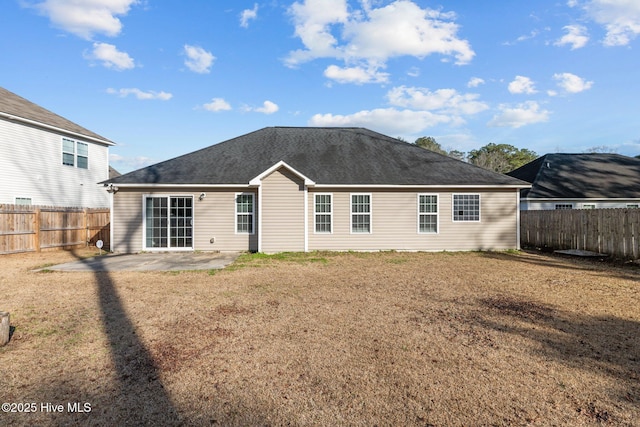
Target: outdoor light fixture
{"type": "Point", "coordinates": [202, 196]}
{"type": "Point", "coordinates": [112, 189]}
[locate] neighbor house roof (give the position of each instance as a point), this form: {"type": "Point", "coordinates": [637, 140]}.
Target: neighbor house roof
{"type": "Point", "coordinates": [581, 176]}
{"type": "Point", "coordinates": [326, 156]}
{"type": "Point", "coordinates": [14, 107]}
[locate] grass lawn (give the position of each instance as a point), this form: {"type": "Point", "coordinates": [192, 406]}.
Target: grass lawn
{"type": "Point", "coordinates": [428, 339]}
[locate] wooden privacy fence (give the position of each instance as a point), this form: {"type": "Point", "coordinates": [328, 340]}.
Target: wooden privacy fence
{"type": "Point", "coordinates": [611, 231]}
{"type": "Point", "coordinates": [33, 228]}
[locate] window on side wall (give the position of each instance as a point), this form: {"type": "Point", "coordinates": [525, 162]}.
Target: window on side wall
{"type": "Point", "coordinates": [466, 207]}
{"type": "Point", "coordinates": [361, 213]}
{"type": "Point", "coordinates": [75, 153]}
{"type": "Point", "coordinates": [23, 201]}
{"type": "Point", "coordinates": [323, 213]}
{"type": "Point", "coordinates": [563, 206]}
{"type": "Point", "coordinates": [588, 206]}
{"type": "Point", "coordinates": [427, 213]}
{"type": "Point", "coordinates": [244, 213]}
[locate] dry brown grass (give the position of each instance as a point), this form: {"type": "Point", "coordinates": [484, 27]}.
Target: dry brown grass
{"type": "Point", "coordinates": [442, 339]}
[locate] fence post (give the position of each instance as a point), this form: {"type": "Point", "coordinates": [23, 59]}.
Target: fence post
{"type": "Point", "coordinates": [5, 327]}
{"type": "Point", "coordinates": [85, 225]}
{"type": "Point", "coordinates": [36, 229]}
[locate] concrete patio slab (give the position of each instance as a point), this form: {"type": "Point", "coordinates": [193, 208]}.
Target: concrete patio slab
{"type": "Point", "coordinates": [157, 261]}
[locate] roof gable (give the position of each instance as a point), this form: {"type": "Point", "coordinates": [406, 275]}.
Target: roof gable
{"type": "Point", "coordinates": [15, 107]}
{"type": "Point", "coordinates": [582, 176]}
{"type": "Point", "coordinates": [326, 156]}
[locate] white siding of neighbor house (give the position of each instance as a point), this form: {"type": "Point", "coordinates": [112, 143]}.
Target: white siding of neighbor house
{"type": "Point", "coordinates": [31, 167]}
{"type": "Point", "coordinates": [395, 222]}
{"type": "Point", "coordinates": [531, 205]}
{"type": "Point", "coordinates": [282, 212]}
{"type": "Point", "coordinates": [213, 219]}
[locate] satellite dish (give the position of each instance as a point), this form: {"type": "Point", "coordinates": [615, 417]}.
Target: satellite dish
{"type": "Point", "coordinates": [99, 244]}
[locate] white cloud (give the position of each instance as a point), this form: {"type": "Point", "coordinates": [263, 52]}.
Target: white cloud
{"type": "Point", "coordinates": [475, 82]}
{"type": "Point", "coordinates": [443, 100]}
{"type": "Point", "coordinates": [366, 38]}
{"type": "Point", "coordinates": [248, 15]}
{"type": "Point", "coordinates": [268, 107]}
{"type": "Point", "coordinates": [390, 121]}
{"type": "Point", "coordinates": [413, 72]}
{"type": "Point", "coordinates": [522, 84]}
{"type": "Point", "coordinates": [86, 18]}
{"type": "Point", "coordinates": [620, 18]}
{"type": "Point", "coordinates": [139, 94]}
{"type": "Point", "coordinates": [522, 115]}
{"type": "Point", "coordinates": [110, 57]}
{"type": "Point", "coordinates": [357, 75]}
{"type": "Point", "coordinates": [571, 83]}
{"type": "Point", "coordinates": [198, 60]}
{"type": "Point", "coordinates": [576, 37]}
{"type": "Point", "coordinates": [217, 104]}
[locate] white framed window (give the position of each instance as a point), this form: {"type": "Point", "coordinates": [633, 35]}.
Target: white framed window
{"type": "Point", "coordinates": [68, 152]}
{"type": "Point", "coordinates": [168, 222]}
{"type": "Point", "coordinates": [588, 206]}
{"type": "Point", "coordinates": [82, 155]}
{"type": "Point", "coordinates": [245, 208]}
{"type": "Point", "coordinates": [427, 213]}
{"type": "Point", "coordinates": [633, 206]}
{"type": "Point", "coordinates": [323, 213]}
{"type": "Point", "coordinates": [361, 213]}
{"type": "Point", "coordinates": [466, 207]}
{"type": "Point", "coordinates": [75, 153]}
{"type": "Point", "coordinates": [563, 206]}
{"type": "Point", "coordinates": [23, 201]}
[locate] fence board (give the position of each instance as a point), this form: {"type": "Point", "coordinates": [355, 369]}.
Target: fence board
{"type": "Point", "coordinates": [32, 228]}
{"type": "Point", "coordinates": [610, 231]}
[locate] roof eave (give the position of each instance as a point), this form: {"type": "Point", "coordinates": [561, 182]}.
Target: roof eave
{"type": "Point", "coordinates": [12, 117]}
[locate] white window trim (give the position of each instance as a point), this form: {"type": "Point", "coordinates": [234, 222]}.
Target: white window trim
{"type": "Point", "coordinates": [144, 224]}
{"type": "Point", "coordinates": [75, 152]}
{"type": "Point", "coordinates": [453, 216]}
{"type": "Point", "coordinates": [351, 213]}
{"type": "Point", "coordinates": [330, 213]}
{"type": "Point", "coordinates": [436, 213]}
{"type": "Point", "coordinates": [236, 213]}
{"type": "Point", "coordinates": [15, 200]}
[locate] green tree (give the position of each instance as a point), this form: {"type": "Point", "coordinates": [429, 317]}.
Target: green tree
{"type": "Point", "coordinates": [501, 158]}
{"type": "Point", "coordinates": [429, 143]}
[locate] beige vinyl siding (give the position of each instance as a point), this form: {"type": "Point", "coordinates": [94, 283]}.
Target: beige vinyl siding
{"type": "Point", "coordinates": [213, 218]}
{"type": "Point", "coordinates": [282, 212]}
{"type": "Point", "coordinates": [394, 215]}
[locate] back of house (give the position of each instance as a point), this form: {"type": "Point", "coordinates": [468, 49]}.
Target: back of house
{"type": "Point", "coordinates": [301, 189]}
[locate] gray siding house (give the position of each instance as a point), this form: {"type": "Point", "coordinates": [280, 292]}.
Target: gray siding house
{"type": "Point", "coordinates": [580, 181]}
{"type": "Point", "coordinates": [46, 159]}
{"type": "Point", "coordinates": [301, 189]}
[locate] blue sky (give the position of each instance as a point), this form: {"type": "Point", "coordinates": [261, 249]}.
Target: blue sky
{"type": "Point", "coordinates": [164, 78]}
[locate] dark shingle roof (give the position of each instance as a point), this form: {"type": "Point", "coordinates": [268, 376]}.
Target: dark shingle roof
{"type": "Point", "coordinates": [341, 156]}
{"type": "Point", "coordinates": [581, 176]}
{"type": "Point", "coordinates": [15, 105]}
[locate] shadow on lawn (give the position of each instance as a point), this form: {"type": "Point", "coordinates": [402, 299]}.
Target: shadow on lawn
{"type": "Point", "coordinates": [142, 398]}
{"type": "Point", "coordinates": [602, 344]}
{"type": "Point", "coordinates": [612, 268]}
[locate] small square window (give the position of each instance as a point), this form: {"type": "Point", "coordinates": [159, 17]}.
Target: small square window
{"type": "Point", "coordinates": [466, 207]}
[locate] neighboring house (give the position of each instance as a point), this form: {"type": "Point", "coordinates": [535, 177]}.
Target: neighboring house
{"type": "Point", "coordinates": [300, 189]}
{"type": "Point", "coordinates": [580, 181]}
{"type": "Point", "coordinates": [46, 159]}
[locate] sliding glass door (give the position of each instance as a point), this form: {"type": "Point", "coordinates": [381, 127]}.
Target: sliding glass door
{"type": "Point", "coordinates": [169, 222]}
